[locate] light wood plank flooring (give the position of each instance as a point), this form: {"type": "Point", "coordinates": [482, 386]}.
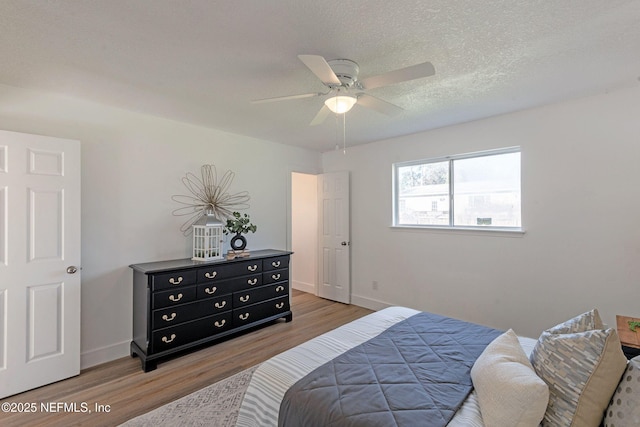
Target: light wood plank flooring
{"type": "Point", "coordinates": [129, 392]}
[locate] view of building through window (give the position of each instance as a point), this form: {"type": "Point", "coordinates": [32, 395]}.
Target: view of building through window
{"type": "Point", "coordinates": [480, 190]}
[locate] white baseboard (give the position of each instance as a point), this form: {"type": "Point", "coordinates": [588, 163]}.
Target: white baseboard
{"type": "Point", "coordinates": [369, 303]}
{"type": "Point", "coordinates": [104, 354]}
{"type": "Point", "coordinates": [304, 287]}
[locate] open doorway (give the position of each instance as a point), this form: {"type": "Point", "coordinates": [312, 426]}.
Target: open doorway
{"type": "Point", "coordinates": [320, 230]}
{"type": "Point", "coordinates": [304, 232]}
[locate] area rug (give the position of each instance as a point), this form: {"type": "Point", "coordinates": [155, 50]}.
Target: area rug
{"type": "Point", "coordinates": [215, 405]}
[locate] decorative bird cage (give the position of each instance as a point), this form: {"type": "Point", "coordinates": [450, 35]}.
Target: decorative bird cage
{"type": "Point", "coordinates": [207, 238]}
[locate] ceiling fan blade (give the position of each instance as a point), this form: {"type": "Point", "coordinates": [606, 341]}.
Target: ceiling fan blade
{"type": "Point", "coordinates": [321, 116]}
{"type": "Point", "coordinates": [413, 72]}
{"type": "Point", "coordinates": [285, 98]}
{"type": "Point", "coordinates": [320, 67]}
{"type": "Point", "coordinates": [379, 105]}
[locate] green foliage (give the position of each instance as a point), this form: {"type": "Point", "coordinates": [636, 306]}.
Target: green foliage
{"type": "Point", "coordinates": [633, 325]}
{"type": "Point", "coordinates": [239, 224]}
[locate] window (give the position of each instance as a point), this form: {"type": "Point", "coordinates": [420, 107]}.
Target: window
{"type": "Point", "coordinates": [479, 190]}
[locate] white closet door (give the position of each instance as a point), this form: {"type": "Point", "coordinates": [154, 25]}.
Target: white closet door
{"type": "Point", "coordinates": [39, 261]}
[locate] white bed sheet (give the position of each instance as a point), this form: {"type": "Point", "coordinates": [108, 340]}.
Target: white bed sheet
{"type": "Point", "coordinates": [273, 378]}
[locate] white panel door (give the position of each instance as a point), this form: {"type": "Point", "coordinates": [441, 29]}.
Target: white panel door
{"type": "Point", "coordinates": [39, 250]}
{"type": "Point", "coordinates": [334, 265]}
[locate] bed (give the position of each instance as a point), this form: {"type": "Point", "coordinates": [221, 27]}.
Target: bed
{"type": "Point", "coordinates": [268, 401]}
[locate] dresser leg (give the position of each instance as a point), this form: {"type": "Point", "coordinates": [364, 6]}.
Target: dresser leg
{"type": "Point", "coordinates": [132, 352]}
{"type": "Point", "coordinates": [288, 318]}
{"type": "Point", "coordinates": [149, 366]}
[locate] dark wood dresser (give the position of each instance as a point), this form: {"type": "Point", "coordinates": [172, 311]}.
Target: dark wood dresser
{"type": "Point", "coordinates": [181, 304]}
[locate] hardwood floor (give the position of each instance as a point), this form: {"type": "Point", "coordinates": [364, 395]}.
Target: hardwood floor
{"type": "Point", "coordinates": [124, 391]}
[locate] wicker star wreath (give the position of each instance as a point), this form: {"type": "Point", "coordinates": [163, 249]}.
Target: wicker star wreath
{"type": "Point", "coordinates": [208, 194]}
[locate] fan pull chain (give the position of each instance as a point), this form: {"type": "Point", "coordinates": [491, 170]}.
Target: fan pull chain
{"type": "Point", "coordinates": [337, 130]}
{"type": "Point", "coordinates": [344, 133]}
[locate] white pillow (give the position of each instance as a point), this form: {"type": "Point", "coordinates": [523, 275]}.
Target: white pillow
{"type": "Point", "coordinates": [510, 394]}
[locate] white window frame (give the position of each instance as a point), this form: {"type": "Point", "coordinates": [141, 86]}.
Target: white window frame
{"type": "Point", "coordinates": [450, 160]}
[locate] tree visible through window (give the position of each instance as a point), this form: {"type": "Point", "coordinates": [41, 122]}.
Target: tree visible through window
{"type": "Point", "coordinates": [476, 190]}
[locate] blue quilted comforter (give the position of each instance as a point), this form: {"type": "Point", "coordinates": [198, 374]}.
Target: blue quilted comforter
{"type": "Point", "coordinates": [416, 373]}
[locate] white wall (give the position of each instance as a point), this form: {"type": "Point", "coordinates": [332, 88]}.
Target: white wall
{"type": "Point", "coordinates": [304, 232]}
{"type": "Point", "coordinates": [580, 209]}
{"type": "Point", "coordinates": [131, 165]}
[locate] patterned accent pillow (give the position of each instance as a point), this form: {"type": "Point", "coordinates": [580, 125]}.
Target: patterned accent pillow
{"type": "Point", "coordinates": [624, 409]}
{"type": "Point", "coordinates": [581, 368]}
{"type": "Point", "coordinates": [585, 322]}
{"type": "Point", "coordinates": [509, 391]}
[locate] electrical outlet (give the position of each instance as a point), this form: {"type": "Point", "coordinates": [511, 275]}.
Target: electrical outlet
{"type": "Point", "coordinates": [374, 285]}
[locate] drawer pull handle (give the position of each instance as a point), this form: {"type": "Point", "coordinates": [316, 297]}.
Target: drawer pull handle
{"type": "Point", "coordinates": [276, 264]}
{"type": "Point", "coordinates": [175, 298]}
{"type": "Point", "coordinates": [279, 288]}
{"type": "Point", "coordinates": [168, 340]}
{"type": "Point", "coordinates": [279, 305]}
{"type": "Point", "coordinates": [211, 291]}
{"type": "Point", "coordinates": [275, 276]}
{"type": "Point", "coordinates": [244, 316]}
{"type": "Point", "coordinates": [175, 281]}
{"type": "Point", "coordinates": [210, 275]}
{"type": "Point", "coordinates": [252, 281]}
{"type": "Point", "coordinates": [220, 324]}
{"type": "Point", "coordinates": [220, 305]}
{"type": "Point", "coordinates": [253, 267]}
{"type": "Point", "coordinates": [244, 298]}
{"type": "Point", "coordinates": [167, 318]}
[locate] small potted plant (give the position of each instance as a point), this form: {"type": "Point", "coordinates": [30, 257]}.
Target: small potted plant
{"type": "Point", "coordinates": [239, 224]}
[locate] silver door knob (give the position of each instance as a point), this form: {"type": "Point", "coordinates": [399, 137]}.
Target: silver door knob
{"type": "Point", "coordinates": [72, 269]}
{"type": "Point", "coordinates": [345, 243]}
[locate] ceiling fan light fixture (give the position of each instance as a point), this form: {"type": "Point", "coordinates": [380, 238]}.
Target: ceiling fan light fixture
{"type": "Point", "coordinates": [340, 104]}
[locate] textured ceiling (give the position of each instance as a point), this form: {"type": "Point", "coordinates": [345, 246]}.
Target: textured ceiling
{"type": "Point", "coordinates": [203, 61]}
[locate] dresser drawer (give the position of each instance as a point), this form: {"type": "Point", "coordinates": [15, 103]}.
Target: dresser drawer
{"type": "Point", "coordinates": [210, 289]}
{"type": "Point", "coordinates": [175, 336]}
{"type": "Point", "coordinates": [249, 267]}
{"type": "Point", "coordinates": [173, 279]}
{"type": "Point", "coordinates": [225, 271]}
{"type": "Point", "coordinates": [247, 282]}
{"type": "Point", "coordinates": [167, 317]}
{"type": "Point", "coordinates": [275, 263]}
{"type": "Point", "coordinates": [275, 276]}
{"type": "Point", "coordinates": [252, 296]}
{"type": "Point", "coordinates": [214, 272]}
{"type": "Point", "coordinates": [206, 290]}
{"type": "Point", "coordinates": [173, 297]}
{"type": "Point", "coordinates": [251, 313]}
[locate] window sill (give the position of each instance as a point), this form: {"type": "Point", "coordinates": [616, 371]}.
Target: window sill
{"type": "Point", "coordinates": [477, 231]}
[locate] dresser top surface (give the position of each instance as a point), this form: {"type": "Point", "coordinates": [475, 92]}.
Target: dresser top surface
{"type": "Point", "coordinates": [184, 263]}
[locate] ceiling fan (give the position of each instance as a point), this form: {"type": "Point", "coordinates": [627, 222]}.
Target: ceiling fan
{"type": "Point", "coordinates": [345, 89]}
